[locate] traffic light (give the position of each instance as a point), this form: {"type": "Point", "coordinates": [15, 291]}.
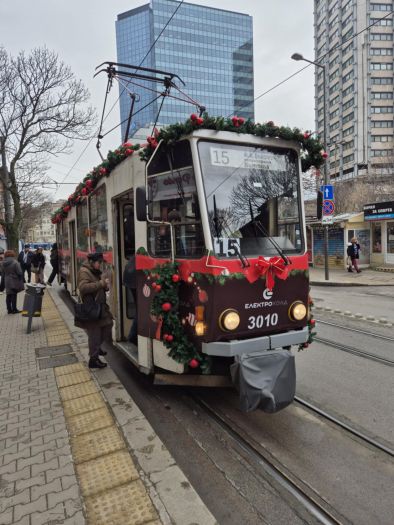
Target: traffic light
{"type": "Point", "coordinates": [319, 204]}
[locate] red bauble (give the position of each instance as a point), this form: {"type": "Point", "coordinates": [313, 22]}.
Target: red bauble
{"type": "Point", "coordinates": [158, 287]}
{"type": "Point", "coordinates": [324, 154]}
{"type": "Point", "coordinates": [193, 117]}
{"type": "Point", "coordinates": [202, 296]}
{"type": "Point", "coordinates": [305, 345]}
{"type": "Point", "coordinates": [175, 278]}
{"type": "Point", "coordinates": [169, 338]}
{"type": "Point", "coordinates": [235, 121]}
{"type": "Point", "coordinates": [193, 363]}
{"type": "Point", "coordinates": [154, 285]}
{"type": "Point", "coordinates": [102, 171]}
{"type": "Point", "coordinates": [241, 120]}
{"type": "Point", "coordinates": [166, 307]}
{"type": "Point", "coordinates": [127, 145]}
{"type": "Point", "coordinates": [89, 183]}
{"type": "Point", "coordinates": [85, 191]}
{"type": "Point", "coordinates": [67, 209]}
{"type": "Point", "coordinates": [306, 135]}
{"type": "Point", "coordinates": [313, 322]}
{"type": "Point", "coordinates": [199, 121]}
{"type": "Point", "coordinates": [129, 152]}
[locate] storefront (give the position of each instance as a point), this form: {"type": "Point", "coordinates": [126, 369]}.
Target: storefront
{"type": "Point", "coordinates": [380, 215]}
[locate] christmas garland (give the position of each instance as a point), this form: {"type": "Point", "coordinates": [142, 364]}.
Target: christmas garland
{"type": "Point", "coordinates": [311, 327]}
{"type": "Point", "coordinates": [311, 148]}
{"type": "Point", "coordinates": [165, 280]}
{"type": "Point", "coordinates": [312, 153]}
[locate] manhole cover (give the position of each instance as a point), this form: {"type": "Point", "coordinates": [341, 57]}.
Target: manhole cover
{"type": "Point", "coordinates": [52, 362]}
{"type": "Point", "coordinates": [49, 351]}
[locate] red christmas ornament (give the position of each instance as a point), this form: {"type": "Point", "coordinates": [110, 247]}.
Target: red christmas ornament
{"type": "Point", "coordinates": [129, 152]}
{"type": "Point", "coordinates": [158, 287]}
{"type": "Point", "coordinates": [89, 183]}
{"type": "Point", "coordinates": [193, 117]}
{"type": "Point", "coordinates": [102, 171]}
{"type": "Point", "coordinates": [241, 120]}
{"type": "Point", "coordinates": [168, 337]}
{"type": "Point", "coordinates": [202, 296]}
{"type": "Point", "coordinates": [85, 191]}
{"type": "Point", "coordinates": [306, 135]}
{"type": "Point", "coordinates": [324, 154]}
{"type": "Point", "coordinates": [199, 121]}
{"type": "Point", "coordinates": [305, 345]}
{"type": "Point", "coordinates": [193, 363]}
{"type": "Point", "coordinates": [235, 121]}
{"type": "Point", "coordinates": [127, 145]}
{"type": "Point", "coordinates": [313, 322]}
{"type": "Point", "coordinates": [67, 208]}
{"type": "Point", "coordinates": [175, 278]}
{"type": "Point", "coordinates": [154, 285]}
{"type": "Point", "coordinates": [166, 307]}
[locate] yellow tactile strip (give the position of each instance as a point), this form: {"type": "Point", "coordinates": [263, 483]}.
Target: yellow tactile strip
{"type": "Point", "coordinates": [55, 328]}
{"type": "Point", "coordinates": [109, 480]}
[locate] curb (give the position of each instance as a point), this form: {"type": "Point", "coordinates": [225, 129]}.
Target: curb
{"type": "Point", "coordinates": [347, 313]}
{"type": "Point", "coordinates": [171, 492]}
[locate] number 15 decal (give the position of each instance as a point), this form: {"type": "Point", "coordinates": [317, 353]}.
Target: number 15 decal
{"type": "Point", "coordinates": [226, 247]}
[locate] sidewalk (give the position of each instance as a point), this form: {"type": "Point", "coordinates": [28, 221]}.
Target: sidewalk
{"type": "Point", "coordinates": [344, 278]}
{"type": "Point", "coordinates": [74, 447]}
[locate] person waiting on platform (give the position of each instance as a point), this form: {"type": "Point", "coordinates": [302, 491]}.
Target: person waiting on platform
{"type": "Point", "coordinates": [38, 265]}
{"type": "Point", "coordinates": [24, 259]}
{"type": "Point", "coordinates": [353, 252]}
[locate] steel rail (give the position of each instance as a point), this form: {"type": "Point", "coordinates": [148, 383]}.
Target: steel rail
{"type": "Point", "coordinates": [372, 334]}
{"type": "Point", "coordinates": [355, 351]}
{"type": "Point", "coordinates": [345, 426]}
{"type": "Point", "coordinates": [323, 515]}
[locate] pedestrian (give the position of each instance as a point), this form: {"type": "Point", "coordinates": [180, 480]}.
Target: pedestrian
{"type": "Point", "coordinates": [13, 279]}
{"type": "Point", "coordinates": [54, 260]}
{"type": "Point", "coordinates": [24, 259]}
{"type": "Point", "coordinates": [92, 286]}
{"type": "Point", "coordinates": [353, 252]}
{"type": "Point", "coordinates": [38, 265]}
{"type": "Point", "coordinates": [2, 284]}
{"type": "Point", "coordinates": [130, 282]}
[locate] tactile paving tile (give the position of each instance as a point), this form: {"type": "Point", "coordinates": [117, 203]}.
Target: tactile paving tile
{"type": "Point", "coordinates": [79, 390]}
{"type": "Point", "coordinates": [70, 369]}
{"type": "Point", "coordinates": [95, 444]}
{"type": "Point", "coordinates": [127, 505]}
{"type": "Point", "coordinates": [73, 379]}
{"type": "Point", "coordinates": [59, 360]}
{"type": "Point", "coordinates": [82, 404]}
{"type": "Point", "coordinates": [89, 422]}
{"type": "Point", "coordinates": [106, 472]}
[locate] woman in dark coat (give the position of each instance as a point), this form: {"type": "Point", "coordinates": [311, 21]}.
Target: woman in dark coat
{"type": "Point", "coordinates": [353, 252]}
{"type": "Point", "coordinates": [91, 285]}
{"type": "Point", "coordinates": [13, 276]}
{"type": "Point", "coordinates": [54, 260]}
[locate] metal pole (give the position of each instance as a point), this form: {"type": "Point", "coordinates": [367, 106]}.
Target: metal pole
{"type": "Point", "coordinates": [326, 272]}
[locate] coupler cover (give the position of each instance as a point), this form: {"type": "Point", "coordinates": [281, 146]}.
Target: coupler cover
{"type": "Point", "coordinates": [265, 380]}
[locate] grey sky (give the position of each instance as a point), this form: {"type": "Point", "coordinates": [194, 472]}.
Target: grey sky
{"type": "Point", "coordinates": [83, 34]}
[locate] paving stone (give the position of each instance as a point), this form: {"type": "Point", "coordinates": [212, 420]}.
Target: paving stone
{"type": "Point", "coordinates": [83, 404]}
{"type": "Point", "coordinates": [63, 495]}
{"type": "Point", "coordinates": [96, 444]}
{"type": "Point", "coordinates": [79, 390]}
{"type": "Point", "coordinates": [39, 490]}
{"type": "Point", "coordinates": [89, 421]}
{"type": "Point", "coordinates": [18, 498]}
{"type": "Point", "coordinates": [38, 505]}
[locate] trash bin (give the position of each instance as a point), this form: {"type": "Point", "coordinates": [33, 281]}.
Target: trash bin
{"type": "Point", "coordinates": [33, 302]}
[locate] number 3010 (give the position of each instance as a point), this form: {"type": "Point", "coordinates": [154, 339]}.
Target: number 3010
{"type": "Point", "coordinates": [258, 321]}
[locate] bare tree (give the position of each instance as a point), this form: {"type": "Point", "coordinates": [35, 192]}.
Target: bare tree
{"type": "Point", "coordinates": [43, 108]}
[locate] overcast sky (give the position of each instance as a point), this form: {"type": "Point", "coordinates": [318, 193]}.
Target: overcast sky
{"type": "Point", "coordinates": [83, 34]}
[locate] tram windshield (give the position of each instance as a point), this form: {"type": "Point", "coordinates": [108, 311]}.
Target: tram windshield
{"type": "Point", "coordinates": [253, 198]}
{"type": "Point", "coordinates": [172, 198]}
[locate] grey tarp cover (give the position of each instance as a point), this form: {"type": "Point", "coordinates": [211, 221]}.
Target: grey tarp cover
{"type": "Point", "coordinates": [265, 380]}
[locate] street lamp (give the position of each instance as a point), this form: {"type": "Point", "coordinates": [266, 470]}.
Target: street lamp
{"type": "Point", "coordinates": [298, 57]}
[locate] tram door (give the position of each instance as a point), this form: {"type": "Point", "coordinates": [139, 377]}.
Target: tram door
{"type": "Point", "coordinates": [126, 249]}
{"type": "Point", "coordinates": [73, 256]}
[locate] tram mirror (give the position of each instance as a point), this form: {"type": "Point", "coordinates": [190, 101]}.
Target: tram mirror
{"type": "Point", "coordinates": [140, 202]}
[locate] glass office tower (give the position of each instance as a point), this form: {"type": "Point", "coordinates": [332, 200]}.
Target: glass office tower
{"type": "Point", "coordinates": [210, 49]}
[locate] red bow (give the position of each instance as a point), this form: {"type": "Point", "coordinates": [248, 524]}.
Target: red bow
{"type": "Point", "coordinates": [275, 267]}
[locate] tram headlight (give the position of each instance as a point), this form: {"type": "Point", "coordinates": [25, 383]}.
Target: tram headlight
{"type": "Point", "coordinates": [199, 328]}
{"type": "Point", "coordinates": [229, 320]}
{"type": "Point", "coordinates": [297, 311]}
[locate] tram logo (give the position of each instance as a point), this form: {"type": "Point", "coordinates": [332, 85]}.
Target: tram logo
{"type": "Point", "coordinates": [267, 294]}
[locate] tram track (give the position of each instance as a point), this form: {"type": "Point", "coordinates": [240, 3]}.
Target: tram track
{"type": "Point", "coordinates": [356, 330]}
{"type": "Point", "coordinates": [304, 494]}
{"type": "Point", "coordinates": [355, 351]}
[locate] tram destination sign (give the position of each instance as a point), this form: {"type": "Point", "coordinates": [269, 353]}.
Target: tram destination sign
{"type": "Point", "coordinates": [242, 158]}
{"type": "Point", "coordinates": [379, 211]}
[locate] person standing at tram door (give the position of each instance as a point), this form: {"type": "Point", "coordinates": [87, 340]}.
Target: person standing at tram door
{"type": "Point", "coordinates": [130, 282]}
{"type": "Point", "coordinates": [91, 285]}
{"type": "Point", "coordinates": [353, 252]}
{"type": "Point", "coordinates": [38, 265]}
{"type": "Point", "coordinates": [54, 260]}
{"type": "Point", "coordinates": [24, 259]}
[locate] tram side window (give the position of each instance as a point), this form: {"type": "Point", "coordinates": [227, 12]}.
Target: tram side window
{"type": "Point", "coordinates": [82, 227]}
{"type": "Point", "coordinates": [172, 197]}
{"type": "Point", "coordinates": [98, 227]}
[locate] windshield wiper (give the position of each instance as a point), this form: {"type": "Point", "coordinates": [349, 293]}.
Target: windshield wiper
{"type": "Point", "coordinates": [219, 225]}
{"type": "Point", "coordinates": [262, 228]}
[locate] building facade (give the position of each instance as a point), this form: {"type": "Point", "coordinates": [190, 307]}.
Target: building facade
{"type": "Point", "coordinates": [359, 85]}
{"type": "Point", "coordinates": [210, 49]}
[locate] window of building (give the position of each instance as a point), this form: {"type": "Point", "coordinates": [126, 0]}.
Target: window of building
{"type": "Point", "coordinates": [348, 131]}
{"type": "Point", "coordinates": [381, 7]}
{"type": "Point", "coordinates": [382, 81]}
{"type": "Point", "coordinates": [347, 77]}
{"type": "Point", "coordinates": [334, 126]}
{"type": "Point", "coordinates": [382, 124]}
{"type": "Point", "coordinates": [334, 113]}
{"type": "Point", "coordinates": [347, 62]}
{"type": "Point", "coordinates": [348, 158]}
{"type": "Point", "coordinates": [381, 109]}
{"type": "Point", "coordinates": [382, 22]}
{"type": "Point", "coordinates": [334, 88]}
{"type": "Point", "coordinates": [381, 51]}
{"type": "Point", "coordinates": [347, 35]}
{"type": "Point", "coordinates": [348, 118]}
{"type": "Point", "coordinates": [381, 152]}
{"type": "Point", "coordinates": [376, 229]}
{"type": "Point", "coordinates": [348, 104]}
{"type": "Point", "coordinates": [347, 6]}
{"type": "Point", "coordinates": [381, 36]}
{"type": "Point", "coordinates": [347, 91]}
{"type": "Point", "coordinates": [380, 66]}
{"type": "Point", "coordinates": [382, 138]}
{"type": "Point", "coordinates": [334, 101]}
{"type": "Point", "coordinates": [387, 95]}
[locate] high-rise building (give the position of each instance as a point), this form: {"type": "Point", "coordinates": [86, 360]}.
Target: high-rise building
{"type": "Point", "coordinates": [359, 84]}
{"type": "Point", "coordinates": [210, 49]}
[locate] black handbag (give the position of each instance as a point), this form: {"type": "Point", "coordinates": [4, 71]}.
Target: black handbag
{"type": "Point", "coordinates": [87, 311]}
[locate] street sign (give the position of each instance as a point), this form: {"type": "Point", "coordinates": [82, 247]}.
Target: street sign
{"type": "Point", "coordinates": [328, 207]}
{"type": "Point", "coordinates": [328, 192]}
{"type": "Point", "coordinates": [327, 219]}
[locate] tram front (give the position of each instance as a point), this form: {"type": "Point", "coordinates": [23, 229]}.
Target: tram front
{"type": "Point", "coordinates": [226, 209]}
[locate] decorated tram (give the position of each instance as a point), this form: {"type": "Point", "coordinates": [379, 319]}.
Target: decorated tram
{"type": "Point", "coordinates": [212, 212]}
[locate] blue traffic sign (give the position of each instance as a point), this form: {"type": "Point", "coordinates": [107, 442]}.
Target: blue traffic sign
{"type": "Point", "coordinates": [328, 192]}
